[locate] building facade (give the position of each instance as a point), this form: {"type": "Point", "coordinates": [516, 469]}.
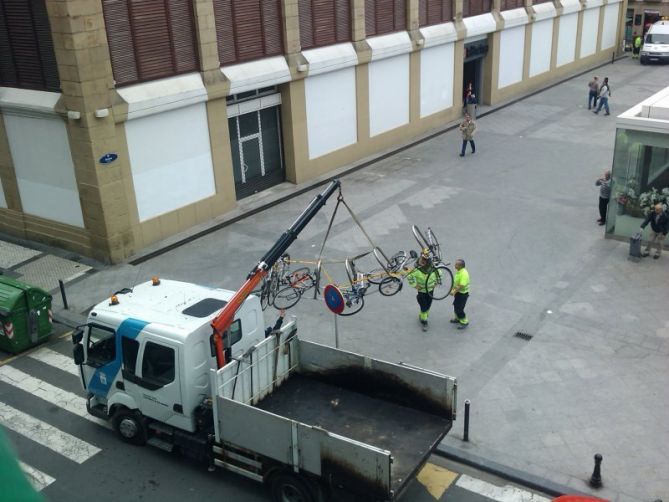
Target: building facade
{"type": "Point", "coordinates": [641, 14]}
{"type": "Point", "coordinates": [123, 122]}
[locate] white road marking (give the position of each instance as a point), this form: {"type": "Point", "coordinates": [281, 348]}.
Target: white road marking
{"type": "Point", "coordinates": [38, 479]}
{"type": "Point", "coordinates": [504, 493]}
{"type": "Point", "coordinates": [55, 359]}
{"type": "Point", "coordinates": [47, 435]}
{"type": "Point", "coordinates": [67, 400]}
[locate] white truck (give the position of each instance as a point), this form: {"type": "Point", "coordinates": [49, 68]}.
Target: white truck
{"type": "Point", "coordinates": [301, 417]}
{"type": "Point", "coordinates": [656, 44]}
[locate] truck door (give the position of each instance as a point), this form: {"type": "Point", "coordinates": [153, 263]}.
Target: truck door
{"type": "Point", "coordinates": [159, 379]}
{"type": "Point", "coordinates": [100, 368]}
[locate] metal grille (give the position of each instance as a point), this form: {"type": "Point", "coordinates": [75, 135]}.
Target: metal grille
{"type": "Point", "coordinates": [523, 336]}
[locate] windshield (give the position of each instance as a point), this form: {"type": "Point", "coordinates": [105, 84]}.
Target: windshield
{"type": "Point", "coordinates": [657, 38]}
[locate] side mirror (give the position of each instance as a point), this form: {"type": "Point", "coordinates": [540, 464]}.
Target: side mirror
{"type": "Point", "coordinates": [77, 336]}
{"type": "Point", "coordinates": [78, 353]}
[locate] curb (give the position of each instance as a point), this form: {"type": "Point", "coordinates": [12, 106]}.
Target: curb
{"type": "Point", "coordinates": [508, 473]}
{"type": "Point", "coordinates": [69, 318]}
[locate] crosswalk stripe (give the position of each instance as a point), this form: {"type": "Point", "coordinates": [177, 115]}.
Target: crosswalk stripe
{"type": "Point", "coordinates": [504, 493]}
{"type": "Point", "coordinates": [38, 479]}
{"type": "Point", "coordinates": [55, 359]}
{"type": "Point", "coordinates": [67, 400]}
{"type": "Point", "coordinates": [47, 435]}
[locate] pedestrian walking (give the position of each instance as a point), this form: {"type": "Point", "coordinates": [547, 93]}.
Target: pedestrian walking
{"type": "Point", "coordinates": [636, 46]}
{"type": "Point", "coordinates": [460, 294]}
{"type": "Point", "coordinates": [471, 105]}
{"type": "Point", "coordinates": [424, 281]}
{"type": "Point", "coordinates": [604, 184]}
{"type": "Point", "coordinates": [604, 95]}
{"type": "Point", "coordinates": [593, 92]}
{"type": "Point", "coordinates": [659, 226]}
{"type": "Point", "coordinates": [467, 128]}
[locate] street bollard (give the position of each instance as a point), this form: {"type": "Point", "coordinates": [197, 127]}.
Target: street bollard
{"type": "Point", "coordinates": [596, 478]}
{"type": "Point", "coordinates": [62, 293]}
{"type": "Point", "coordinates": [466, 436]}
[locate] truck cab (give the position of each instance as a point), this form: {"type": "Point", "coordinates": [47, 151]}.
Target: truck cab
{"type": "Point", "coordinates": [146, 353]}
{"type": "Point", "coordinates": [656, 44]}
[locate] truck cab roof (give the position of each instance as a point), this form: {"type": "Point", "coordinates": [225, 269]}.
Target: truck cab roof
{"type": "Point", "coordinates": [183, 306]}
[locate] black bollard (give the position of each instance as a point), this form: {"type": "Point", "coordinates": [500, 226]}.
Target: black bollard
{"type": "Point", "coordinates": [467, 403]}
{"type": "Point", "coordinates": [62, 293]}
{"type": "Point", "coordinates": [596, 478]}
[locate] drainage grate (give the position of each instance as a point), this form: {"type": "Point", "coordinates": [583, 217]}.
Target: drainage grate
{"type": "Point", "coordinates": [523, 336]}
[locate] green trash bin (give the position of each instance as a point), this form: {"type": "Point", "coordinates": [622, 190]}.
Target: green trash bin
{"type": "Point", "coordinates": [25, 315]}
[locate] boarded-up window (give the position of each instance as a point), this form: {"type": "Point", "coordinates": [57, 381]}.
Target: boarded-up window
{"type": "Point", "coordinates": [511, 4]}
{"type": "Point", "coordinates": [248, 29]}
{"type": "Point", "coordinates": [324, 22]}
{"type": "Point", "coordinates": [475, 7]}
{"type": "Point", "coordinates": [27, 59]}
{"type": "Point", "coordinates": [384, 16]}
{"type": "Point", "coordinates": [150, 39]}
{"type": "Point", "coordinates": [435, 11]}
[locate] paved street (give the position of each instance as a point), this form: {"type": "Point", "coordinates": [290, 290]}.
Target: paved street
{"type": "Point", "coordinates": [590, 377]}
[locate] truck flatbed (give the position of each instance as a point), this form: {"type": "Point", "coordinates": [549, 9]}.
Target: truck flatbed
{"type": "Point", "coordinates": [409, 434]}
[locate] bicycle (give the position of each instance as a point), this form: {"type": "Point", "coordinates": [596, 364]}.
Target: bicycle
{"type": "Point", "coordinates": [272, 281]}
{"type": "Point", "coordinates": [444, 277]}
{"type": "Point", "coordinates": [390, 276]}
{"type": "Point", "coordinates": [298, 282]}
{"type": "Point", "coordinates": [354, 293]}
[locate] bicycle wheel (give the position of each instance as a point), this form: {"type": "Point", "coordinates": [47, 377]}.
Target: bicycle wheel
{"type": "Point", "coordinates": [443, 282]}
{"type": "Point", "coordinates": [301, 279]}
{"type": "Point", "coordinates": [433, 244]}
{"type": "Point", "coordinates": [287, 297]}
{"type": "Point", "coordinates": [377, 276]}
{"type": "Point", "coordinates": [397, 260]}
{"type": "Point", "coordinates": [390, 286]}
{"type": "Point", "coordinates": [264, 298]}
{"type": "Point", "coordinates": [353, 304]}
{"type": "Point", "coordinates": [420, 238]}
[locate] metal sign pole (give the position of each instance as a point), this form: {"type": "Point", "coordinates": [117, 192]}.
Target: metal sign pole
{"type": "Point", "coordinates": [336, 332]}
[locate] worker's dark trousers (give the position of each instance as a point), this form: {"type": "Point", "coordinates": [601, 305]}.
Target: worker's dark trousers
{"type": "Point", "coordinates": [424, 301]}
{"type": "Point", "coordinates": [459, 302]}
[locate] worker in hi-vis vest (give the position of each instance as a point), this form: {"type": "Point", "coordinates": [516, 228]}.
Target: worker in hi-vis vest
{"type": "Point", "coordinates": [424, 282]}
{"type": "Point", "coordinates": [460, 294]}
{"type": "Point", "coordinates": [636, 46]}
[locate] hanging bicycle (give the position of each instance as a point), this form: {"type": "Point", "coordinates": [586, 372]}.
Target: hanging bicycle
{"type": "Point", "coordinates": [443, 282]}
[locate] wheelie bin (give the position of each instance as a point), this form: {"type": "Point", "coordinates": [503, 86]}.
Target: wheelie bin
{"type": "Point", "coordinates": [25, 315]}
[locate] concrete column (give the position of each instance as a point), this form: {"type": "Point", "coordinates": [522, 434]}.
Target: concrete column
{"type": "Point", "coordinates": [457, 9]}
{"type": "Point", "coordinates": [358, 31]}
{"type": "Point", "coordinates": [579, 35]}
{"type": "Point", "coordinates": [84, 66]}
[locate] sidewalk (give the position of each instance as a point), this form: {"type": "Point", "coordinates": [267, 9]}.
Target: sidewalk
{"type": "Point", "coordinates": [592, 378]}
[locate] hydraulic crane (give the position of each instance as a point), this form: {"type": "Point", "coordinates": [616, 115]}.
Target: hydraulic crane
{"type": "Point", "coordinates": [224, 319]}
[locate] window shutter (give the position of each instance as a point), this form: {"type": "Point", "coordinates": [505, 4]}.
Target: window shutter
{"type": "Point", "coordinates": [343, 16]}
{"type": "Point", "coordinates": [400, 15]}
{"type": "Point", "coordinates": [446, 10]}
{"type": "Point", "coordinates": [247, 24]}
{"type": "Point", "coordinates": [306, 28]}
{"type": "Point", "coordinates": [370, 17]}
{"type": "Point", "coordinates": [28, 58]}
{"type": "Point", "coordinates": [225, 37]}
{"type": "Point", "coordinates": [271, 30]}
{"type": "Point", "coordinates": [182, 28]}
{"type": "Point", "coordinates": [119, 37]}
{"type": "Point", "coordinates": [324, 22]}
{"type": "Point", "coordinates": [422, 12]}
{"type": "Point", "coordinates": [152, 39]}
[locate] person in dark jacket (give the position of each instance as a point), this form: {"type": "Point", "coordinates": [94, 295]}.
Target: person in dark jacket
{"type": "Point", "coordinates": [277, 325]}
{"type": "Point", "coordinates": [659, 226]}
{"type": "Point", "coordinates": [604, 184]}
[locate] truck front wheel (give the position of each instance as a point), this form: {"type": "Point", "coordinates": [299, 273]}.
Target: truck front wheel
{"type": "Point", "coordinates": [290, 488]}
{"type": "Point", "coordinates": [130, 426]}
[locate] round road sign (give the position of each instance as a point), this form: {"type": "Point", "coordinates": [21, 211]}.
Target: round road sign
{"type": "Point", "coordinates": [333, 298]}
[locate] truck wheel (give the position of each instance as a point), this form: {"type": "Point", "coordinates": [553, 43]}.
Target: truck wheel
{"type": "Point", "coordinates": [290, 488]}
{"type": "Point", "coordinates": [130, 426]}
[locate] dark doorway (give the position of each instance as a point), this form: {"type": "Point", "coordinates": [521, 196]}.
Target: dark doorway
{"type": "Point", "coordinates": [472, 74]}
{"type": "Point", "coordinates": [650, 17]}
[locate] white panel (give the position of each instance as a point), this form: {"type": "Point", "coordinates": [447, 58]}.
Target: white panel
{"type": "Point", "coordinates": [567, 39]}
{"type": "Point", "coordinates": [330, 58]}
{"type": "Point", "coordinates": [257, 74]}
{"type": "Point", "coordinates": [387, 46]}
{"type": "Point", "coordinates": [162, 95]}
{"type": "Point", "coordinates": [436, 79]}
{"type": "Point", "coordinates": [589, 33]}
{"type": "Point", "coordinates": [542, 46]}
{"type": "Point", "coordinates": [170, 160]}
{"type": "Point", "coordinates": [388, 94]}
{"type": "Point", "coordinates": [512, 48]}
{"type": "Point", "coordinates": [331, 111]}
{"type": "Point", "coordinates": [514, 17]}
{"type": "Point", "coordinates": [610, 25]}
{"type": "Point", "coordinates": [479, 25]}
{"type": "Point", "coordinates": [3, 201]}
{"type": "Point", "coordinates": [44, 170]}
{"type": "Point", "coordinates": [439, 34]}
{"type": "Point", "coordinates": [28, 102]}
